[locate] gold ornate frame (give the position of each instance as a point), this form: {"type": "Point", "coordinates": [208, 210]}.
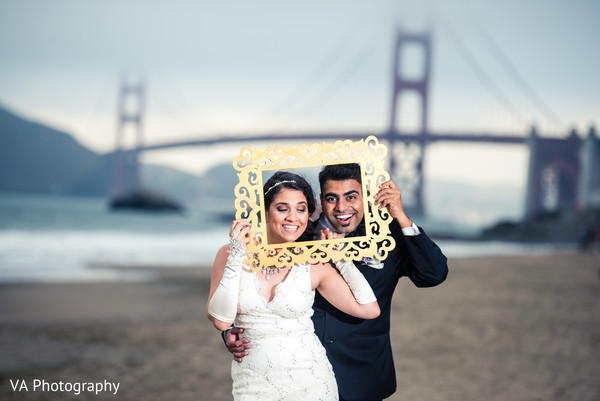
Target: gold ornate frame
{"type": "Point", "coordinates": [249, 203]}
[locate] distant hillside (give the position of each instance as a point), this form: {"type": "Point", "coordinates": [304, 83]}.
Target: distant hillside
{"type": "Point", "coordinates": [39, 159]}
{"type": "Point", "coordinates": [35, 158]}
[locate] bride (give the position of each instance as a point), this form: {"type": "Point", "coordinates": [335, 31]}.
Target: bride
{"type": "Point", "coordinates": [274, 306]}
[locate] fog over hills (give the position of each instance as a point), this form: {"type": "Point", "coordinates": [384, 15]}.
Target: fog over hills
{"type": "Point", "coordinates": [38, 159]}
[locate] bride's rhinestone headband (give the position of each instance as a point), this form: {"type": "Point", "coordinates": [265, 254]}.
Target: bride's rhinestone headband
{"type": "Point", "coordinates": [279, 183]}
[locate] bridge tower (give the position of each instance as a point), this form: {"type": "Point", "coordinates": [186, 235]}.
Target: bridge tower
{"type": "Point", "coordinates": [554, 173]}
{"type": "Point", "coordinates": [407, 151]}
{"type": "Point", "coordinates": [589, 187]}
{"type": "Point", "coordinates": [126, 174]}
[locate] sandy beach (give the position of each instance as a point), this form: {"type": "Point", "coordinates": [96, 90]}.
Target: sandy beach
{"type": "Point", "coordinates": [500, 328]}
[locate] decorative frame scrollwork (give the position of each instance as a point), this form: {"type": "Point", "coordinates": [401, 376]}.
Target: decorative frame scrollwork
{"type": "Point", "coordinates": [249, 203]}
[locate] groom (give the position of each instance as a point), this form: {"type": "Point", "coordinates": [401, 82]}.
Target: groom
{"type": "Point", "coordinates": [360, 350]}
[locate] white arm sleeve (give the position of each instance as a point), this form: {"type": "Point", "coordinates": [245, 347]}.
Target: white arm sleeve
{"type": "Point", "coordinates": [224, 302]}
{"type": "Point", "coordinates": [411, 231]}
{"type": "Point", "coordinates": [362, 291]}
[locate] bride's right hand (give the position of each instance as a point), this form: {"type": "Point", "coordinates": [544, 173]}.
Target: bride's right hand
{"type": "Point", "coordinates": [240, 230]}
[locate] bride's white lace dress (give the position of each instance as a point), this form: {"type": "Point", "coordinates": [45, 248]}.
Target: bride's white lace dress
{"type": "Point", "coordinates": [287, 360]}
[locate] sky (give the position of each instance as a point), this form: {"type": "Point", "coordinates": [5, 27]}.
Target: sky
{"type": "Point", "coordinates": [245, 67]}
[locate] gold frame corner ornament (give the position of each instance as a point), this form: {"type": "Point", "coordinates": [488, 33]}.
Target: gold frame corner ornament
{"type": "Point", "coordinates": [249, 202]}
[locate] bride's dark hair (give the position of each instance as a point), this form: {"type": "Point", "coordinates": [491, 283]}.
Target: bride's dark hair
{"type": "Point", "coordinates": [285, 179]}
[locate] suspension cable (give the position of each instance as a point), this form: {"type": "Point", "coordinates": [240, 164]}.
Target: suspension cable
{"type": "Point", "coordinates": [512, 71]}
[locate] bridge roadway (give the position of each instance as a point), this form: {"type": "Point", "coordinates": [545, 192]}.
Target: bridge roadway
{"type": "Point", "coordinates": [425, 139]}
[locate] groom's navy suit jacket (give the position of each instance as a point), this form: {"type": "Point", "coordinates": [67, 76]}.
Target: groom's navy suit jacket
{"type": "Point", "coordinates": [360, 350]}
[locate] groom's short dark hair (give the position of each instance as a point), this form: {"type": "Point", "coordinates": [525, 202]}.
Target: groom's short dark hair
{"type": "Point", "coordinates": [340, 172]}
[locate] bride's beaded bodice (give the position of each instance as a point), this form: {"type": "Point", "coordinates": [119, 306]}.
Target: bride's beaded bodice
{"type": "Point", "coordinates": [289, 311]}
{"type": "Point", "coordinates": [286, 361]}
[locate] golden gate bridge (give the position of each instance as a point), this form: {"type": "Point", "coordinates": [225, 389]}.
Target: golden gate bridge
{"type": "Point", "coordinates": [565, 169]}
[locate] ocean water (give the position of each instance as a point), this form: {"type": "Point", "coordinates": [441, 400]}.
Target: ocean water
{"type": "Point", "coordinates": [53, 238]}
{"type": "Point", "coordinates": [62, 239]}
